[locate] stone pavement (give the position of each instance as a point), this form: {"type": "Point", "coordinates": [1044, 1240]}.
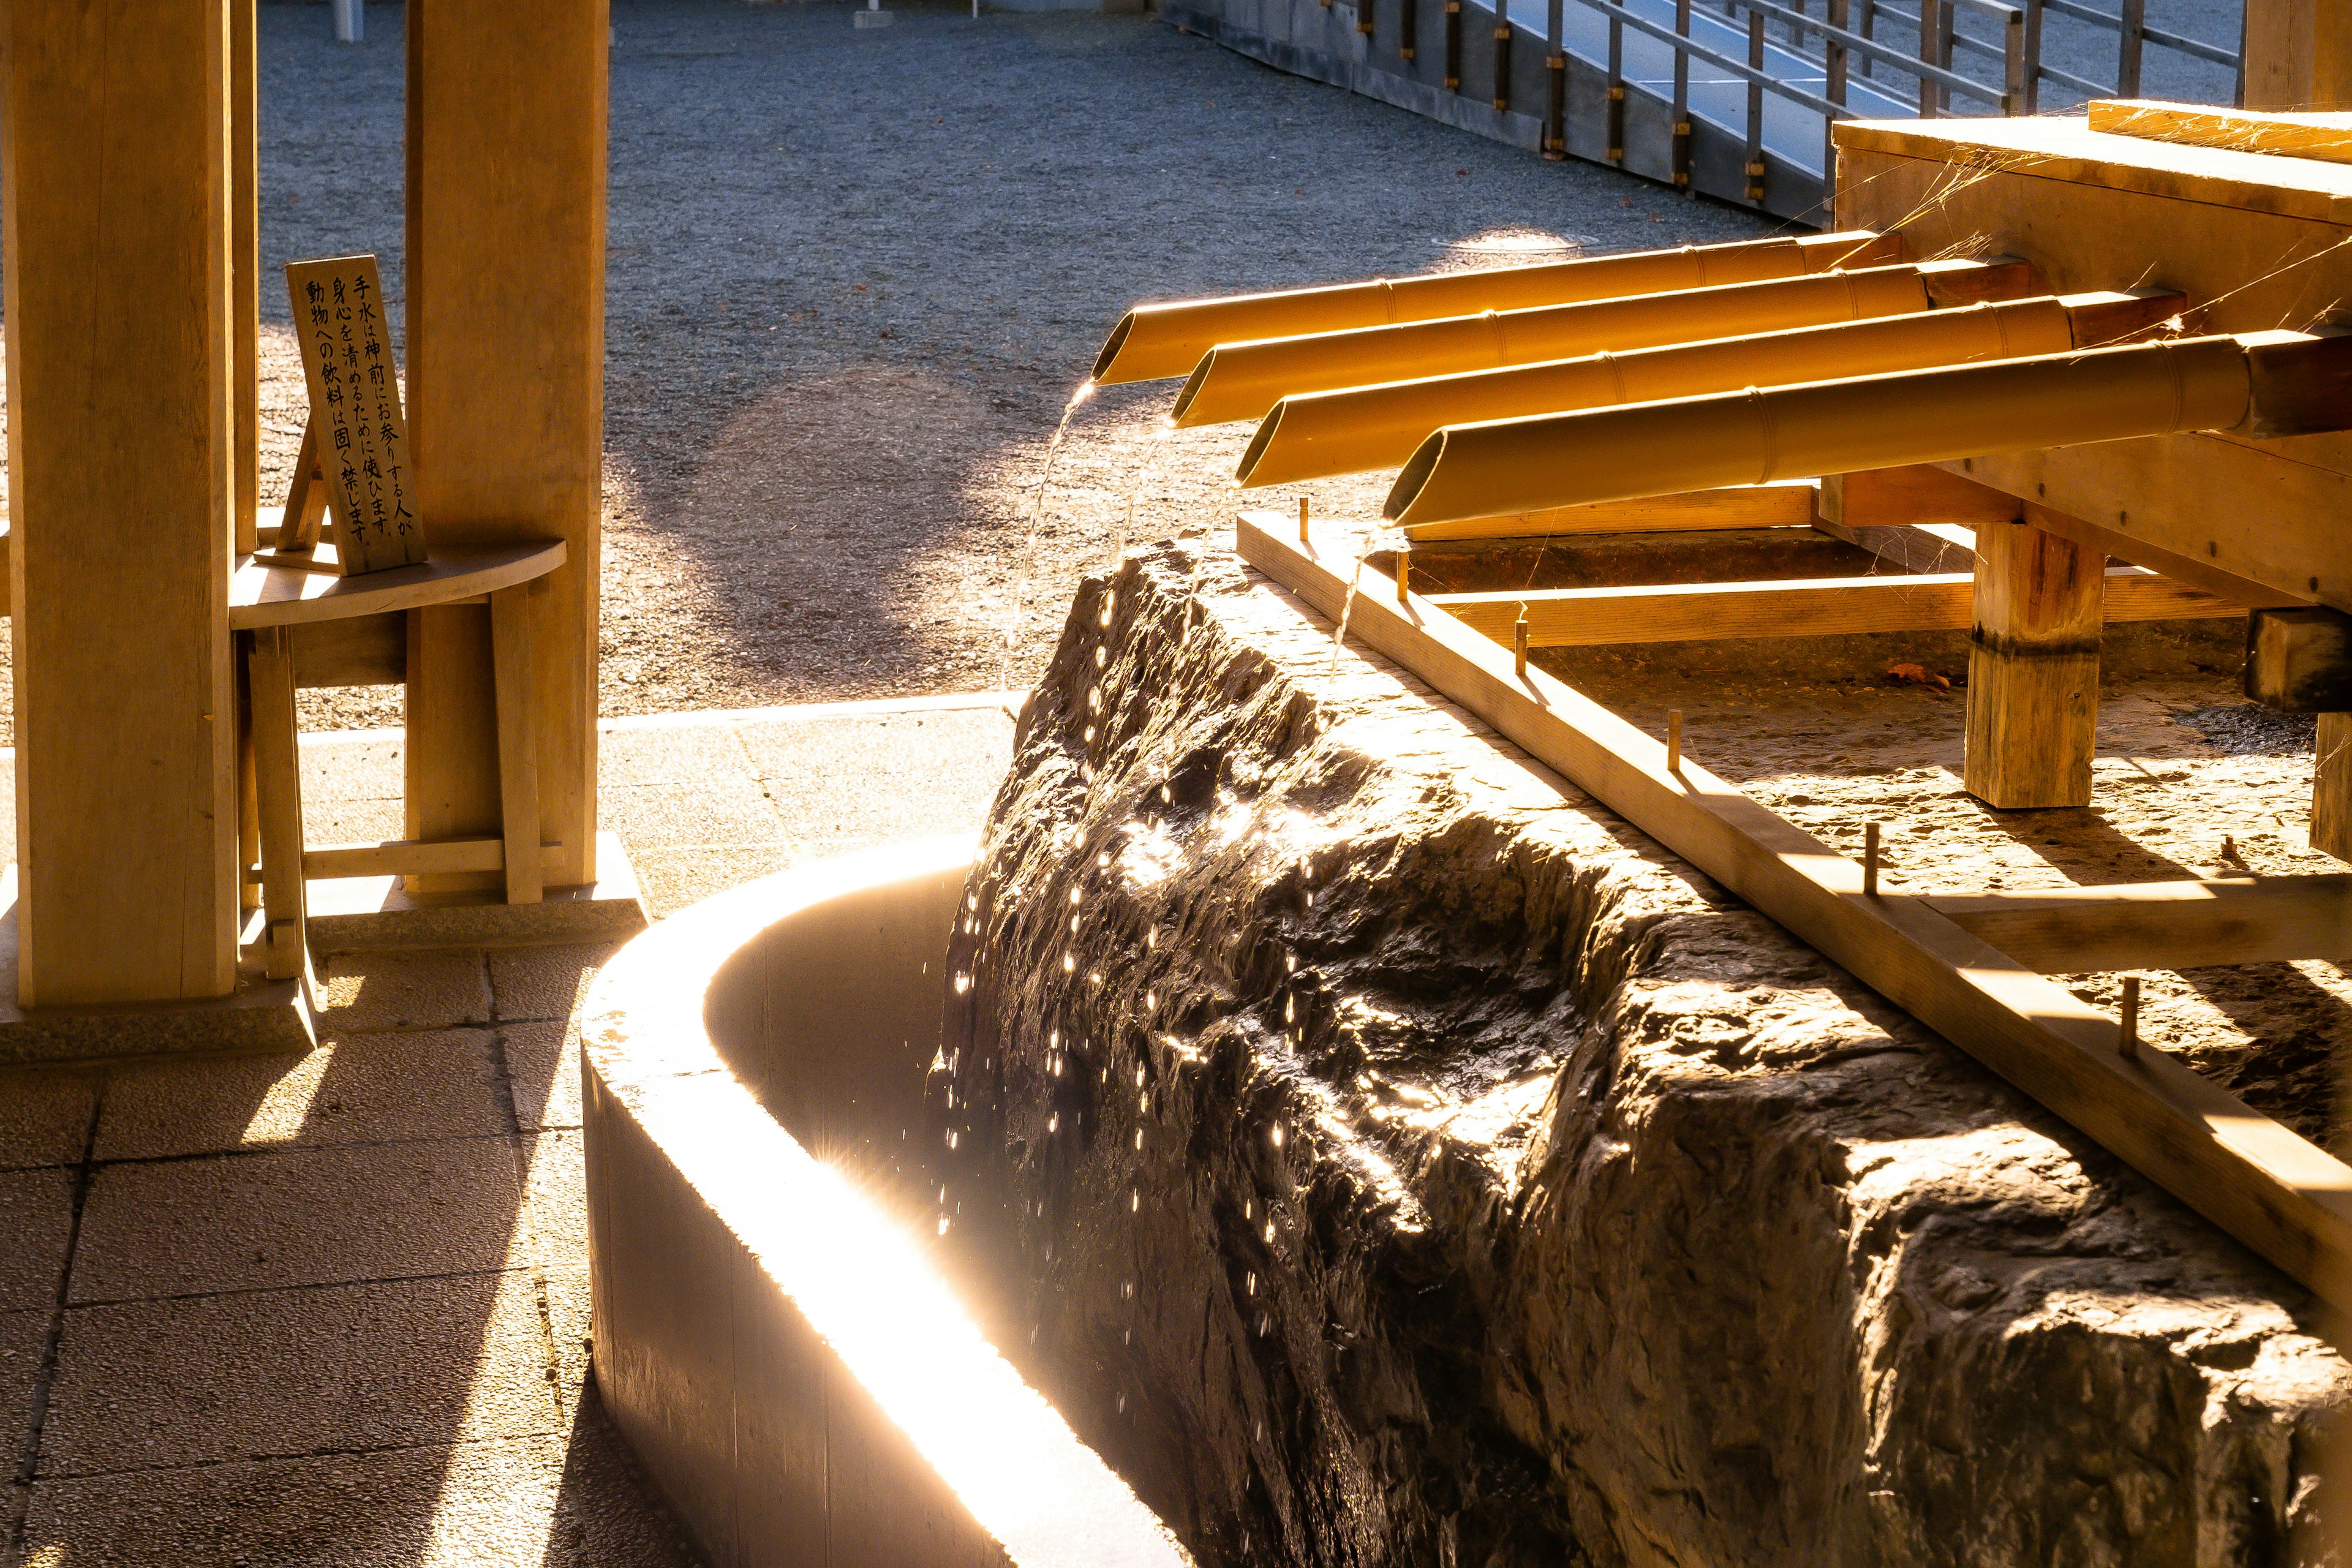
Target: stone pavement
{"type": "Point", "coordinates": [334, 1309]}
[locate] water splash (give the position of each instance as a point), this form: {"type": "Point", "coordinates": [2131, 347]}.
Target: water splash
{"type": "Point", "coordinates": [1017, 611]}
{"type": "Point", "coordinates": [1155, 456]}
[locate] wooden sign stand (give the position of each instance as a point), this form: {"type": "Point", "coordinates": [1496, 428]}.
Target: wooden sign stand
{"type": "Point", "coordinates": [353, 472]}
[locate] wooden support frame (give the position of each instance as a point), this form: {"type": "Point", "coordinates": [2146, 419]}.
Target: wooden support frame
{"type": "Point", "coordinates": [1810, 606]}
{"type": "Point", "coordinates": [2275, 1192]}
{"type": "Point", "coordinates": [2033, 666]}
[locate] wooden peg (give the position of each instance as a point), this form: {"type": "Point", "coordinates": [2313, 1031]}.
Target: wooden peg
{"type": "Point", "coordinates": [1870, 860]}
{"type": "Point", "coordinates": [1302, 519]}
{"type": "Point", "coordinates": [1404, 575]}
{"type": "Point", "coordinates": [2127, 1039]}
{"type": "Point", "coordinates": [1674, 740]}
{"type": "Point", "coordinates": [1519, 642]}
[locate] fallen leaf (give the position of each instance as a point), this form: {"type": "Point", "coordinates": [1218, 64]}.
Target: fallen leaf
{"type": "Point", "coordinates": [1916, 675]}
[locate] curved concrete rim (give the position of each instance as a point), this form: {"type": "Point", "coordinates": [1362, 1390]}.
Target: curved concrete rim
{"type": "Point", "coordinates": [832, 1253]}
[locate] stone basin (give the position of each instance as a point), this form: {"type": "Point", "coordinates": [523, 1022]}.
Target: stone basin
{"type": "Point", "coordinates": [773, 1337]}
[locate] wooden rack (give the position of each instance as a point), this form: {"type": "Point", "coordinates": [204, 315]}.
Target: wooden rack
{"type": "Point", "coordinates": [1969, 965]}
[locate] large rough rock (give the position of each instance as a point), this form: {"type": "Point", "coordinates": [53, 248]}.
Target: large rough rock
{"type": "Point", "coordinates": [1386, 1156]}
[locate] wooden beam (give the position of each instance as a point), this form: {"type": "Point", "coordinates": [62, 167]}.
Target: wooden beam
{"type": "Point", "coordinates": [506, 102]}
{"type": "Point", "coordinates": [1918, 493]}
{"type": "Point", "coordinates": [2299, 660]}
{"type": "Point", "coordinates": [114, 128]}
{"type": "Point", "coordinates": [408, 857]}
{"type": "Point", "coordinates": [2162, 925]}
{"type": "Point", "coordinates": [2273, 1191]}
{"type": "Point", "coordinates": [1785, 503]}
{"type": "Point", "coordinates": [1815, 607]}
{"type": "Point", "coordinates": [245, 273]}
{"type": "Point", "coordinates": [1930, 548]}
{"type": "Point", "coordinates": [2033, 667]}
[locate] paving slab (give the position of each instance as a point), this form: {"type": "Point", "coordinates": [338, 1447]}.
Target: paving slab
{"type": "Point", "coordinates": [544, 981]}
{"type": "Point", "coordinates": [44, 1117]}
{"type": "Point", "coordinates": [543, 1071]}
{"type": "Point", "coordinates": [23, 1336]}
{"type": "Point", "coordinates": [555, 1187]}
{"type": "Point", "coordinates": [734, 810]}
{"type": "Point", "coordinates": [439, 1083]}
{"type": "Point", "coordinates": [944, 766]}
{"type": "Point", "coordinates": [403, 989]}
{"type": "Point", "coordinates": [489, 1503]}
{"type": "Point", "coordinates": [36, 1221]}
{"type": "Point", "coordinates": [298, 1217]}
{"type": "Point", "coordinates": [683, 754]}
{"type": "Point", "coordinates": [277, 1373]}
{"type": "Point", "coordinates": [670, 879]}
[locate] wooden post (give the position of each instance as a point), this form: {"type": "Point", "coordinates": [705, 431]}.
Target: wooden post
{"type": "Point", "coordinates": [505, 333]}
{"type": "Point", "coordinates": [2033, 667]}
{"type": "Point", "coordinates": [2331, 788]}
{"type": "Point", "coordinates": [2298, 54]}
{"type": "Point", "coordinates": [115, 118]}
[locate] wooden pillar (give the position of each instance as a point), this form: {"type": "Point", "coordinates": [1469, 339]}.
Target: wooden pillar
{"type": "Point", "coordinates": [506, 344]}
{"type": "Point", "coordinates": [245, 270]}
{"type": "Point", "coordinates": [2298, 54]}
{"type": "Point", "coordinates": [115, 118]}
{"type": "Point", "coordinates": [2033, 667]}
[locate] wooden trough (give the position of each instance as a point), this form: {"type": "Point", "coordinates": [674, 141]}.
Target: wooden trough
{"type": "Point", "coordinates": [2131, 407]}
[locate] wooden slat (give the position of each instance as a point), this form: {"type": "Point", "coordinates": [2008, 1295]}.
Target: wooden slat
{"type": "Point", "coordinates": [1813, 606]}
{"type": "Point", "coordinates": [366, 650]}
{"type": "Point", "coordinates": [2323, 135]}
{"type": "Point", "coordinates": [2272, 1190]}
{"type": "Point", "coordinates": [416, 858]}
{"type": "Point", "coordinates": [2162, 925]}
{"type": "Point", "coordinates": [1787, 503]}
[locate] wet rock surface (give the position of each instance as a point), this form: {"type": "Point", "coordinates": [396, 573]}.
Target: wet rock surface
{"type": "Point", "coordinates": [1386, 1156]}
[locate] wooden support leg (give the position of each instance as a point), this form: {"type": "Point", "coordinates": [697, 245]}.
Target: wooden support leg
{"type": "Point", "coordinates": [278, 778]}
{"type": "Point", "coordinates": [248, 795]}
{"type": "Point", "coordinates": [518, 743]}
{"type": "Point", "coordinates": [2331, 788]}
{"type": "Point", "coordinates": [2033, 667]}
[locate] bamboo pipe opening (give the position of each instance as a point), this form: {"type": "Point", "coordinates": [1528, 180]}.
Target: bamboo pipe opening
{"type": "Point", "coordinates": [1836, 426]}
{"type": "Point", "coordinates": [1310, 435]}
{"type": "Point", "coordinates": [1151, 343]}
{"type": "Point", "coordinates": [1245, 380]}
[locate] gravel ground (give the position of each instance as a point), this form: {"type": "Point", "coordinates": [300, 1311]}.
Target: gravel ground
{"type": "Point", "coordinates": [856, 275]}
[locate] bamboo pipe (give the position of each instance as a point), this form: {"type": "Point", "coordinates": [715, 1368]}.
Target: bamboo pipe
{"type": "Point", "coordinates": [1153, 341]}
{"type": "Point", "coordinates": [1315, 434]}
{"type": "Point", "coordinates": [1243, 380]}
{"type": "Point", "coordinates": [1828, 428]}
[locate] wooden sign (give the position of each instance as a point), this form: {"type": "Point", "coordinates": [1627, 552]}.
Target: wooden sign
{"type": "Point", "coordinates": [355, 415]}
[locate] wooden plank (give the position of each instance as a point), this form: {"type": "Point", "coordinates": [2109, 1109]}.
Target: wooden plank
{"type": "Point", "coordinates": [367, 650]}
{"type": "Point", "coordinates": [2162, 925]}
{"type": "Point", "coordinates": [1784, 503]}
{"type": "Point", "coordinates": [408, 857]}
{"type": "Point", "coordinates": [1812, 607]}
{"type": "Point", "coordinates": [362, 432]}
{"type": "Point", "coordinates": [2033, 667]}
{"type": "Point", "coordinates": [264, 596]}
{"type": "Point", "coordinates": [1915, 494]}
{"type": "Point", "coordinates": [517, 747]}
{"type": "Point", "coordinates": [2280, 133]}
{"type": "Point", "coordinates": [506, 144]}
{"type": "Point", "coordinates": [114, 173]}
{"type": "Point", "coordinates": [2273, 1191]}
{"type": "Point", "coordinates": [1932, 549]}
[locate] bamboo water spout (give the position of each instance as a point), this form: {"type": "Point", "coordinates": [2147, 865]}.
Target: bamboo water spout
{"type": "Point", "coordinates": [1243, 380]}
{"type": "Point", "coordinates": [1315, 434]}
{"type": "Point", "coordinates": [1154, 341]}
{"type": "Point", "coordinates": [2261, 384]}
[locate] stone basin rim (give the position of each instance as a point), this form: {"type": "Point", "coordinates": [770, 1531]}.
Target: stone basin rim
{"type": "Point", "coordinates": [669, 1124]}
